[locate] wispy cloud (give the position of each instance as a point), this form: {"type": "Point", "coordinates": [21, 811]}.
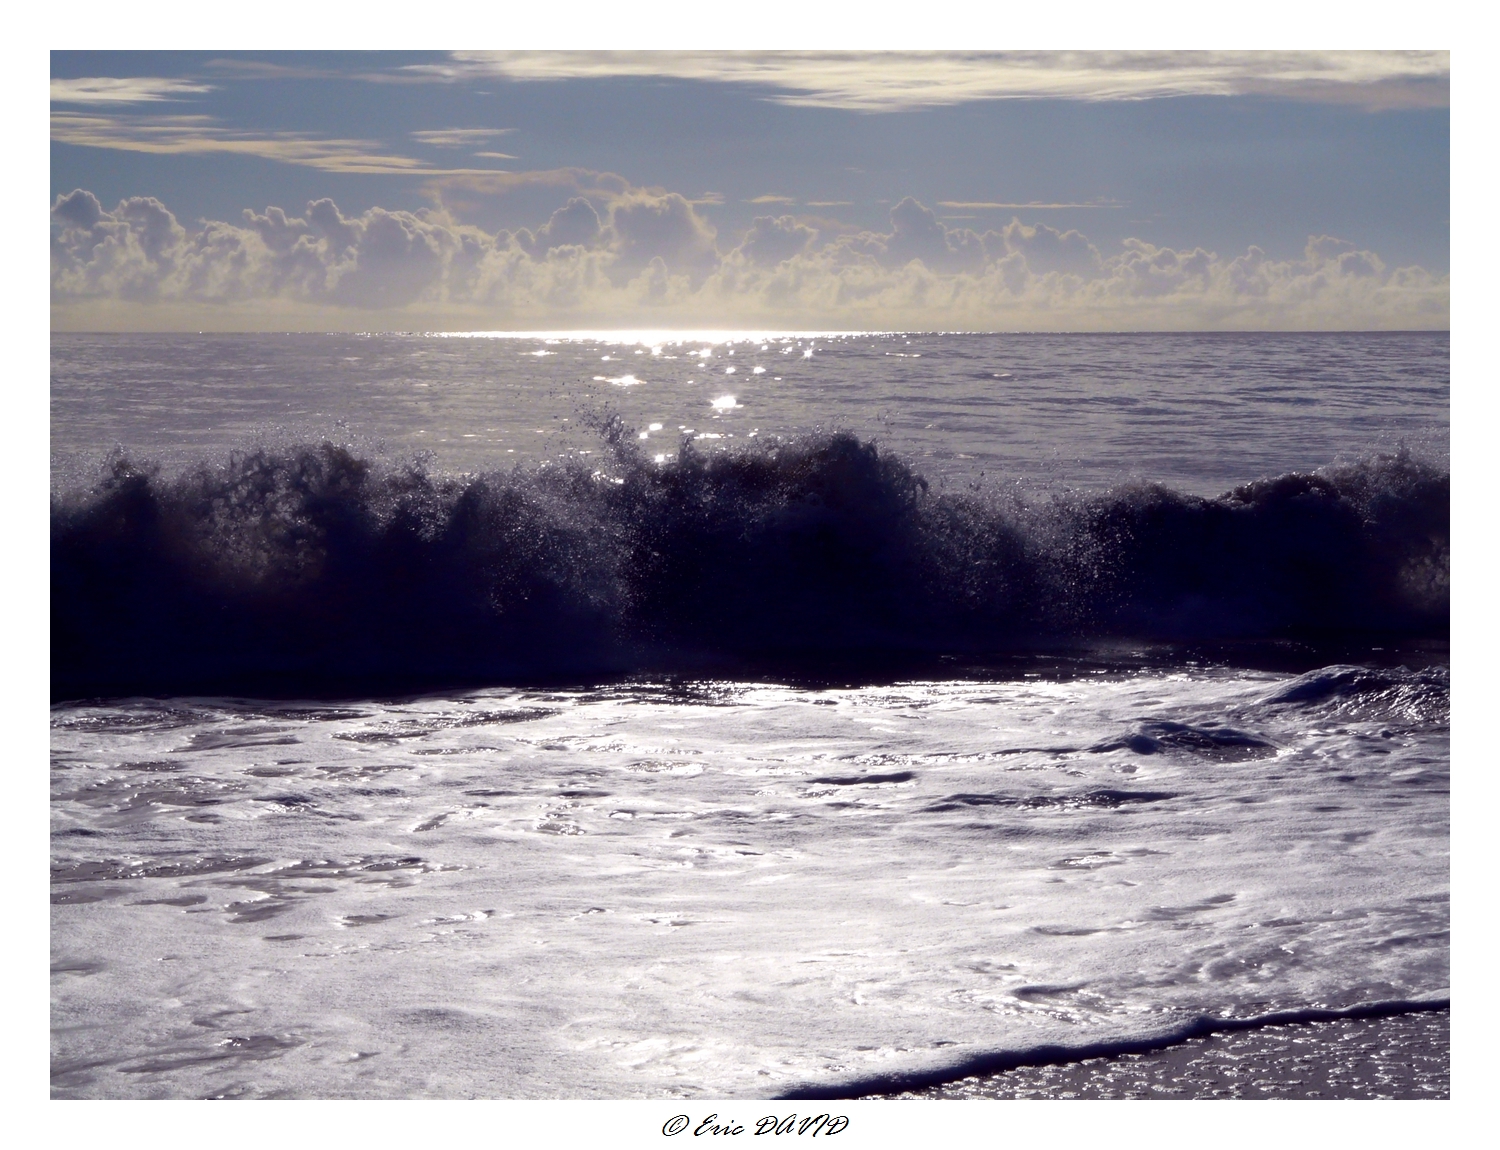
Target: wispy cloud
{"type": "Point", "coordinates": [241, 69]}
{"type": "Point", "coordinates": [899, 81]}
{"type": "Point", "coordinates": [771, 200]}
{"type": "Point", "coordinates": [265, 70]}
{"type": "Point", "coordinates": [459, 137]}
{"type": "Point", "coordinates": [830, 203]}
{"type": "Point", "coordinates": [463, 192]}
{"type": "Point", "coordinates": [123, 90]}
{"type": "Point", "coordinates": [975, 205]}
{"type": "Point", "coordinates": [195, 134]}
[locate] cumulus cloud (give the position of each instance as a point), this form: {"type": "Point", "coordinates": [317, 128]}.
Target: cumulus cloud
{"type": "Point", "coordinates": [1048, 250]}
{"type": "Point", "coordinates": [917, 234]}
{"type": "Point", "coordinates": [575, 224]}
{"type": "Point", "coordinates": [667, 228]}
{"type": "Point", "coordinates": [775, 239]}
{"type": "Point", "coordinates": [649, 257]}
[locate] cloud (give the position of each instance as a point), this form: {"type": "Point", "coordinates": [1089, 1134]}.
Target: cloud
{"type": "Point", "coordinates": [917, 234]}
{"type": "Point", "coordinates": [975, 205]}
{"type": "Point", "coordinates": [888, 81]}
{"type": "Point", "coordinates": [575, 224]}
{"type": "Point", "coordinates": [1046, 249]}
{"type": "Point", "coordinates": [583, 181]}
{"type": "Point", "coordinates": [771, 200]}
{"type": "Point", "coordinates": [458, 137]}
{"type": "Point", "coordinates": [771, 241]}
{"type": "Point", "coordinates": [240, 69]}
{"type": "Point", "coordinates": [647, 227]}
{"type": "Point", "coordinates": [647, 258]}
{"type": "Point", "coordinates": [202, 135]}
{"type": "Point", "coordinates": [123, 90]}
{"type": "Point", "coordinates": [378, 260]}
{"type": "Point", "coordinates": [900, 81]}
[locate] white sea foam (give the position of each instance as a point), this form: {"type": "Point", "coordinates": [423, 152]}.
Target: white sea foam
{"type": "Point", "coordinates": [726, 889]}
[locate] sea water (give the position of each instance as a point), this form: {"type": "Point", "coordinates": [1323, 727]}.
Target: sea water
{"type": "Point", "coordinates": [1201, 413]}
{"type": "Point", "coordinates": [913, 699]}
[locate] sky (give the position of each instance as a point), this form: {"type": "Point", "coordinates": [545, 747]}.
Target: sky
{"type": "Point", "coordinates": [842, 190]}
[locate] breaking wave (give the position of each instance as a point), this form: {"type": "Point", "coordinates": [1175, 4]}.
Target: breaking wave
{"type": "Point", "coordinates": [314, 571]}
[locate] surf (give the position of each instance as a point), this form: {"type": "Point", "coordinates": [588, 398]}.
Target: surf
{"type": "Point", "coordinates": [316, 570]}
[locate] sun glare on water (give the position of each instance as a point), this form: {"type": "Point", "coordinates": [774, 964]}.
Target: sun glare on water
{"type": "Point", "coordinates": [654, 340]}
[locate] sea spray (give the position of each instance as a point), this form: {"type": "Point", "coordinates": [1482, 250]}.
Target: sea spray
{"type": "Point", "coordinates": [314, 570]}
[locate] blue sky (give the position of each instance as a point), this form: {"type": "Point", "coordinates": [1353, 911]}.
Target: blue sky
{"type": "Point", "coordinates": [997, 191]}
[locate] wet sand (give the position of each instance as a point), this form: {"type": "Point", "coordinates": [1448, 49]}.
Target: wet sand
{"type": "Point", "coordinates": [1400, 1056]}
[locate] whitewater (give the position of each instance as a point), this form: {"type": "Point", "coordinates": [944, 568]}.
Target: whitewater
{"type": "Point", "coordinates": [574, 716]}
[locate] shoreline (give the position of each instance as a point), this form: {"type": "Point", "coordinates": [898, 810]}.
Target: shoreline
{"type": "Point", "coordinates": [1392, 1056]}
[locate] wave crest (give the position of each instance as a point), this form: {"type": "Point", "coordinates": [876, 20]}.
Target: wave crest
{"type": "Point", "coordinates": [312, 570]}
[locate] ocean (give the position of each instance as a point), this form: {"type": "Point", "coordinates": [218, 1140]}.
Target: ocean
{"type": "Point", "coordinates": [735, 715]}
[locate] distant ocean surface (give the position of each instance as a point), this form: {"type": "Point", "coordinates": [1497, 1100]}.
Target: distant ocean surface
{"type": "Point", "coordinates": [1200, 413]}
{"type": "Point", "coordinates": [734, 714]}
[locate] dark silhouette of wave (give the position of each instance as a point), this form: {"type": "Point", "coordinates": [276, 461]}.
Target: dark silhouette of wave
{"type": "Point", "coordinates": [313, 571]}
